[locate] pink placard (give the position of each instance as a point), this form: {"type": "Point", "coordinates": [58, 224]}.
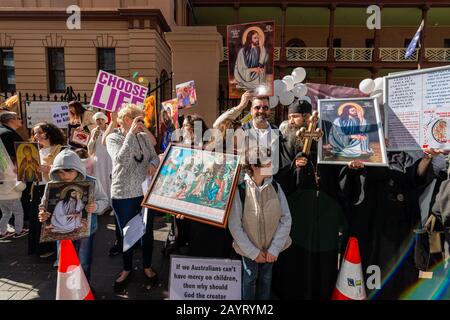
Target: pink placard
{"type": "Point", "coordinates": [111, 92]}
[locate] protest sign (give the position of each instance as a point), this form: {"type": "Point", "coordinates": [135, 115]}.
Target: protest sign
{"type": "Point", "coordinates": [417, 109]}
{"type": "Point", "coordinates": [204, 279]}
{"type": "Point", "coordinates": [60, 115]}
{"type": "Point", "coordinates": [111, 91]}
{"type": "Point", "coordinates": [44, 111]}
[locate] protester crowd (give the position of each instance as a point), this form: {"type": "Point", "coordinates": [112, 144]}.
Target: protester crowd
{"type": "Point", "coordinates": [290, 217]}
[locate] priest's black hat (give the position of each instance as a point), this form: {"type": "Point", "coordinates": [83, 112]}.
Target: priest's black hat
{"type": "Point", "coordinates": [300, 106]}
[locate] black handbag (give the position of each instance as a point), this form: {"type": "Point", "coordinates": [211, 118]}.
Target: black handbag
{"type": "Point", "coordinates": [428, 242]}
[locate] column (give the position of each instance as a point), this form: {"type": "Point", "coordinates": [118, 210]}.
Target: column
{"type": "Point", "coordinates": [283, 31]}
{"type": "Point", "coordinates": [331, 33]}
{"type": "Point", "coordinates": [196, 55]}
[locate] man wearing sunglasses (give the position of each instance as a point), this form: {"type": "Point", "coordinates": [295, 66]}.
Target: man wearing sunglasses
{"type": "Point", "coordinates": [259, 131]}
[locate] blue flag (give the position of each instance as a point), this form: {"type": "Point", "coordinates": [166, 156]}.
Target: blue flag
{"type": "Point", "coordinates": [413, 44]}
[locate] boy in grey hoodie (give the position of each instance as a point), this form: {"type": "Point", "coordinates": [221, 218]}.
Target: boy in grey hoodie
{"type": "Point", "coordinates": [67, 167]}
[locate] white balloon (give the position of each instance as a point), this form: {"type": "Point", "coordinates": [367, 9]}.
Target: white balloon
{"type": "Point", "coordinates": [299, 90]}
{"type": "Point", "coordinates": [289, 81]}
{"type": "Point", "coordinates": [286, 98]}
{"type": "Point", "coordinates": [305, 98]}
{"type": "Point", "coordinates": [278, 87]}
{"type": "Point", "coordinates": [299, 74]}
{"type": "Point", "coordinates": [378, 84]}
{"type": "Point", "coordinates": [273, 101]}
{"type": "Point", "coordinates": [366, 86]}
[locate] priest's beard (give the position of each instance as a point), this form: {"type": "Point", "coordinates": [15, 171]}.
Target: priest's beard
{"type": "Point", "coordinates": [292, 140]}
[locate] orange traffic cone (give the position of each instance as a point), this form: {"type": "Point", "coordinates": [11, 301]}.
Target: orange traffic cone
{"type": "Point", "coordinates": [350, 283]}
{"type": "Point", "coordinates": [72, 283]}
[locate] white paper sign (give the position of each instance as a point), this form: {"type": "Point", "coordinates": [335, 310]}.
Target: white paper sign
{"type": "Point", "coordinates": [134, 230]}
{"type": "Point", "coordinates": [60, 115]}
{"type": "Point", "coordinates": [417, 109]}
{"type": "Point", "coordinates": [204, 279]}
{"type": "Point", "coordinates": [42, 111]}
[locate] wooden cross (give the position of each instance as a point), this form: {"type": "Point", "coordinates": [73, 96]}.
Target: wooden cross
{"type": "Point", "coordinates": [312, 133]}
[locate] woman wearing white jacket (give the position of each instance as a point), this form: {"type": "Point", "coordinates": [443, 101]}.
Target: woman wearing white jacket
{"type": "Point", "coordinates": [10, 194]}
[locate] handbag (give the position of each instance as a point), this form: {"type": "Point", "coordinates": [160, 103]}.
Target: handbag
{"type": "Point", "coordinates": [428, 242]}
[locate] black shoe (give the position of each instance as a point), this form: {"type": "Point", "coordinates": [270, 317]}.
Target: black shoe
{"type": "Point", "coordinates": [119, 287]}
{"type": "Point", "coordinates": [151, 281]}
{"type": "Point", "coordinates": [115, 250]}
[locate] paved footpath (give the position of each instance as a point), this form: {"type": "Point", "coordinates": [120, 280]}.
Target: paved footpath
{"type": "Point", "coordinates": [24, 277]}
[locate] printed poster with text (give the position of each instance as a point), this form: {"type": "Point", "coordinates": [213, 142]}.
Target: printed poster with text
{"type": "Point", "coordinates": [417, 109]}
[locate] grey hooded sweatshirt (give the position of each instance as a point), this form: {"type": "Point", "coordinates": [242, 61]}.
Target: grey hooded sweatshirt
{"type": "Point", "coordinates": [68, 159]}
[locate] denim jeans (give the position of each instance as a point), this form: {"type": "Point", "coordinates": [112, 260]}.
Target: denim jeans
{"type": "Point", "coordinates": [125, 210]}
{"type": "Point", "coordinates": [83, 248]}
{"type": "Point", "coordinates": [256, 280]}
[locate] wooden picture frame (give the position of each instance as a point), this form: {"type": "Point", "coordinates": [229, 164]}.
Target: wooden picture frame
{"type": "Point", "coordinates": [60, 227]}
{"type": "Point", "coordinates": [196, 183]}
{"type": "Point", "coordinates": [348, 135]}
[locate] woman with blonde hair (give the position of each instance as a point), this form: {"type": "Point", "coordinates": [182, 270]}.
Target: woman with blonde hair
{"type": "Point", "coordinates": [134, 158]}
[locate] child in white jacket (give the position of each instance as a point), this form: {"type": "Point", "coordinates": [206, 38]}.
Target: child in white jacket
{"type": "Point", "coordinates": [10, 194]}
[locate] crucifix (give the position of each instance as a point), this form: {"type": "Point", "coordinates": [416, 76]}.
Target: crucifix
{"type": "Point", "coordinates": [307, 136]}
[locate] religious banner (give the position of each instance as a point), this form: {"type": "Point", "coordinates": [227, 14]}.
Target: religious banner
{"type": "Point", "coordinates": [204, 279]}
{"type": "Point", "coordinates": [417, 109]}
{"type": "Point", "coordinates": [28, 161]}
{"type": "Point", "coordinates": [66, 202]}
{"type": "Point", "coordinates": [186, 95]}
{"type": "Point", "coordinates": [111, 91]}
{"type": "Point", "coordinates": [196, 183]}
{"type": "Point", "coordinates": [352, 131]}
{"type": "Point", "coordinates": [318, 91]}
{"type": "Point", "coordinates": [251, 58]}
{"type": "Point", "coordinates": [46, 111]}
{"type": "Point", "coordinates": [168, 122]}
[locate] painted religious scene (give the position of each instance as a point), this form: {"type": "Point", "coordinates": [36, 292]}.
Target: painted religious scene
{"type": "Point", "coordinates": [250, 58]}
{"type": "Point", "coordinates": [195, 182]}
{"type": "Point", "coordinates": [352, 131]}
{"type": "Point", "coordinates": [66, 202]}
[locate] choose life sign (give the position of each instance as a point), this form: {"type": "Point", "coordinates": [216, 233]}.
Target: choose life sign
{"type": "Point", "coordinates": [111, 92]}
{"type": "Point", "coordinates": [204, 279]}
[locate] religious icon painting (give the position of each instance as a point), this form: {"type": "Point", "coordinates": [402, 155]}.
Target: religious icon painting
{"type": "Point", "coordinates": [250, 58]}
{"type": "Point", "coordinates": [186, 94]}
{"type": "Point", "coordinates": [352, 131]}
{"type": "Point", "coordinates": [28, 161]}
{"type": "Point", "coordinates": [66, 203]}
{"type": "Point", "coordinates": [197, 183]}
{"type": "Point", "coordinates": [168, 122]}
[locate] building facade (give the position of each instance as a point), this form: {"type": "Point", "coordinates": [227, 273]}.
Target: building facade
{"type": "Point", "coordinates": [41, 55]}
{"type": "Point", "coordinates": [331, 38]}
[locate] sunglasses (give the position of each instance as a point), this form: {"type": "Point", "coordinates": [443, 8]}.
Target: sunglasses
{"type": "Point", "coordinates": [264, 107]}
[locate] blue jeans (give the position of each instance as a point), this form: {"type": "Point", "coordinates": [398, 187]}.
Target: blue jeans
{"type": "Point", "coordinates": [256, 280]}
{"type": "Point", "coordinates": [83, 247]}
{"type": "Point", "coordinates": [125, 210]}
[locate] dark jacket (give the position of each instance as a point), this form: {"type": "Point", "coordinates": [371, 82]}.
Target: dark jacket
{"type": "Point", "coordinates": [8, 137]}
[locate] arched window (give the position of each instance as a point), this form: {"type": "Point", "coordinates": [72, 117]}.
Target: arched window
{"type": "Point", "coordinates": [165, 88]}
{"type": "Point", "coordinates": [296, 43]}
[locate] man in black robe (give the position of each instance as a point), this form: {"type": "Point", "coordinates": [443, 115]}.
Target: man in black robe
{"type": "Point", "coordinates": [317, 199]}
{"type": "Point", "coordinates": [385, 219]}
